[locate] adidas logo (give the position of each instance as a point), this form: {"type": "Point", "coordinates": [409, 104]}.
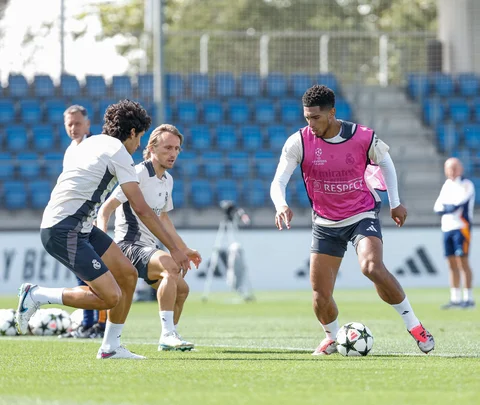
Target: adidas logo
{"type": "Point", "coordinates": [412, 265]}
{"type": "Point", "coordinates": [371, 228]}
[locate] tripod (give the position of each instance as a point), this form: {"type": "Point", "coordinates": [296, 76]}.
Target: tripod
{"type": "Point", "coordinates": [233, 267]}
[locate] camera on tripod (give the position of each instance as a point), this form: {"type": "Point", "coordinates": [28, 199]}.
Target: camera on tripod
{"type": "Point", "coordinates": [234, 213]}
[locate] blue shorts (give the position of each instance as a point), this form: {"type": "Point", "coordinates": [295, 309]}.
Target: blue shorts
{"type": "Point", "coordinates": [456, 242]}
{"type": "Point", "coordinates": [333, 241]}
{"type": "Point", "coordinates": [80, 252]}
{"type": "Point", "coordinates": [139, 254]}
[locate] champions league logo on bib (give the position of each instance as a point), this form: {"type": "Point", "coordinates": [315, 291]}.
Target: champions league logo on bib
{"type": "Point", "coordinates": [318, 154]}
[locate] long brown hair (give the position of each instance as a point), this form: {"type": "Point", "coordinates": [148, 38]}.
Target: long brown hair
{"type": "Point", "coordinates": [155, 138]}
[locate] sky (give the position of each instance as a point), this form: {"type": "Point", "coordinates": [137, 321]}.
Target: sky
{"type": "Point", "coordinates": [84, 56]}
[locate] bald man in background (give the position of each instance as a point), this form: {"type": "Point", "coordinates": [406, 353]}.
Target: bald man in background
{"type": "Point", "coordinates": [455, 204]}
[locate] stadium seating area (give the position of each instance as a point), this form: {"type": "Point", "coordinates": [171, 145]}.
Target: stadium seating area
{"type": "Point", "coordinates": [234, 127]}
{"type": "Point", "coordinates": [450, 105]}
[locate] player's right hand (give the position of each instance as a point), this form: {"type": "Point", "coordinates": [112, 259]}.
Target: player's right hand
{"type": "Point", "coordinates": [285, 215]}
{"type": "Point", "coordinates": [181, 259]}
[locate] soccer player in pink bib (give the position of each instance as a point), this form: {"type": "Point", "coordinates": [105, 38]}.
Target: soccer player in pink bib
{"type": "Point", "coordinates": [334, 156]}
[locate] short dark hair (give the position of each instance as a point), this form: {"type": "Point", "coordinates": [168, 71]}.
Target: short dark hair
{"type": "Point", "coordinates": [121, 117]}
{"type": "Point", "coordinates": [74, 109]}
{"type": "Point", "coordinates": [319, 96]}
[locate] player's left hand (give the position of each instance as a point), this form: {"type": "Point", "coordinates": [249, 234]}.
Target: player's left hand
{"type": "Point", "coordinates": [399, 215]}
{"type": "Point", "coordinates": [194, 256]}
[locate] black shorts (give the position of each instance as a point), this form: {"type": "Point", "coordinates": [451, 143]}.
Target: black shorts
{"type": "Point", "coordinates": [80, 252]}
{"type": "Point", "coordinates": [139, 254]}
{"type": "Point", "coordinates": [333, 241]}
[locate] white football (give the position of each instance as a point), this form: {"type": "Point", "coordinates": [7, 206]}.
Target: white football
{"type": "Point", "coordinates": [63, 319]}
{"type": "Point", "coordinates": [354, 339]}
{"type": "Point", "coordinates": [43, 323]}
{"type": "Point", "coordinates": [76, 318]}
{"type": "Point", "coordinates": [7, 322]}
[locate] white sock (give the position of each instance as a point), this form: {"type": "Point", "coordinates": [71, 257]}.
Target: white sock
{"type": "Point", "coordinates": [111, 339]}
{"type": "Point", "coordinates": [467, 294]}
{"type": "Point", "coordinates": [166, 319]}
{"type": "Point", "coordinates": [331, 329]}
{"type": "Point", "coordinates": [43, 295]}
{"type": "Point", "coordinates": [455, 295]}
{"type": "Point", "coordinates": [406, 312]}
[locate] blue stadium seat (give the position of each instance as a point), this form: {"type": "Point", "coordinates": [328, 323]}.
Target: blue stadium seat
{"type": "Point", "coordinates": [43, 86]}
{"type": "Point", "coordinates": [102, 106]}
{"type": "Point", "coordinates": [201, 138]}
{"type": "Point", "coordinates": [201, 193]}
{"type": "Point", "coordinates": [471, 135]}
{"type": "Point", "coordinates": [476, 109]}
{"type": "Point", "coordinates": [467, 159]}
{"type": "Point", "coordinates": [178, 194]}
{"type": "Point", "coordinates": [199, 85]}
{"type": "Point", "coordinates": [343, 110]}
{"type": "Point", "coordinates": [28, 165]}
{"type": "Point", "coordinates": [265, 164]}
{"type": "Point", "coordinates": [300, 83]}
{"type": "Point", "coordinates": [7, 165]}
{"type": "Point", "coordinates": [137, 156]}
{"type": "Point", "coordinates": [7, 111]}
{"type": "Point", "coordinates": [277, 136]}
{"type": "Point", "coordinates": [290, 110]}
{"type": "Point", "coordinates": [212, 112]}
{"type": "Point", "coordinates": [187, 111]}
{"type": "Point", "coordinates": [433, 111]}
{"type": "Point", "coordinates": [255, 193]}
{"type": "Point", "coordinates": [95, 86]}
{"type": "Point", "coordinates": [16, 137]}
{"type": "Point", "coordinates": [145, 86]}
{"type": "Point", "coordinates": [468, 84]}
{"type": "Point", "coordinates": [54, 110]}
{"type": "Point", "coordinates": [276, 85]}
{"type": "Point", "coordinates": [476, 183]}
{"type": "Point", "coordinates": [251, 136]}
{"type": "Point", "coordinates": [30, 111]}
{"type": "Point", "coordinates": [418, 85]}
{"type": "Point", "coordinates": [121, 87]}
{"type": "Point", "coordinates": [65, 140]}
{"type": "Point", "coordinates": [39, 193]}
{"type": "Point", "coordinates": [43, 137]}
{"type": "Point", "coordinates": [187, 163]}
{"type": "Point", "coordinates": [264, 111]}
{"type": "Point", "coordinates": [175, 85]}
{"type": "Point", "coordinates": [213, 165]}
{"type": "Point", "coordinates": [300, 194]}
{"type": "Point", "coordinates": [15, 195]}
{"type": "Point", "coordinates": [18, 86]}
{"type": "Point", "coordinates": [226, 137]}
{"type": "Point", "coordinates": [53, 164]}
{"type": "Point", "coordinates": [329, 80]}
{"type": "Point", "coordinates": [442, 84]}
{"type": "Point", "coordinates": [69, 86]}
{"type": "Point", "coordinates": [239, 163]}
{"type": "Point", "coordinates": [447, 137]}
{"type": "Point", "coordinates": [96, 129]}
{"type": "Point", "coordinates": [238, 111]}
{"type": "Point", "coordinates": [459, 110]}
{"type": "Point", "coordinates": [250, 85]}
{"type": "Point", "coordinates": [227, 189]}
{"type": "Point", "coordinates": [225, 85]}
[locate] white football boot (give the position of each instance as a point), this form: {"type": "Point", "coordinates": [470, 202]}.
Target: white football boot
{"type": "Point", "coordinates": [26, 307]}
{"type": "Point", "coordinates": [326, 347]}
{"type": "Point", "coordinates": [173, 341]}
{"type": "Point", "coordinates": [120, 352]}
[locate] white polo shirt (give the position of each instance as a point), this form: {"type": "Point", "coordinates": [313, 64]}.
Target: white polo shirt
{"type": "Point", "coordinates": [158, 195]}
{"type": "Point", "coordinates": [89, 174]}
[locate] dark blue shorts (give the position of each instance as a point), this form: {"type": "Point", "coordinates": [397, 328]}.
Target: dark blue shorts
{"type": "Point", "coordinates": [139, 254]}
{"type": "Point", "coordinates": [80, 252]}
{"type": "Point", "coordinates": [333, 241]}
{"type": "Point", "coordinates": [456, 242]}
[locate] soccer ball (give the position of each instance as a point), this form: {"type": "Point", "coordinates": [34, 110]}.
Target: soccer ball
{"type": "Point", "coordinates": [43, 323]}
{"type": "Point", "coordinates": [63, 319]}
{"type": "Point", "coordinates": [7, 322]}
{"type": "Point", "coordinates": [354, 339]}
{"type": "Point", "coordinates": [76, 318]}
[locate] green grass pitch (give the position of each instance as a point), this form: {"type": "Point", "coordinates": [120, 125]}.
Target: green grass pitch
{"type": "Point", "coordinates": [254, 353]}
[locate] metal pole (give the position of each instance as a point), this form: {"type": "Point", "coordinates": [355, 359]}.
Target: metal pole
{"type": "Point", "coordinates": [264, 68]}
{"type": "Point", "coordinates": [204, 53]}
{"type": "Point", "coordinates": [62, 36]}
{"type": "Point", "coordinates": [324, 39]}
{"type": "Point", "coordinates": [383, 61]}
{"type": "Point", "coordinates": [158, 69]}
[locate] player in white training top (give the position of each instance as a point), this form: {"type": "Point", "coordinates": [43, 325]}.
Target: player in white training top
{"type": "Point", "coordinates": [154, 265]}
{"type": "Point", "coordinates": [455, 204]}
{"type": "Point", "coordinates": [68, 233]}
